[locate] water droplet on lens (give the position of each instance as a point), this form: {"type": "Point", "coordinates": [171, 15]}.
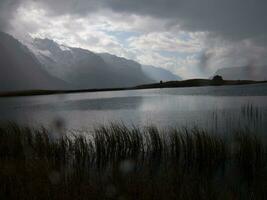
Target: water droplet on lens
{"type": "Point", "coordinates": [127, 166]}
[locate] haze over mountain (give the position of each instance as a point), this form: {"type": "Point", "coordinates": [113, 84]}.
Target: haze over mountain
{"type": "Point", "coordinates": [20, 70]}
{"type": "Point", "coordinates": [129, 70]}
{"type": "Point", "coordinates": [244, 73]}
{"type": "Point", "coordinates": [48, 65]}
{"type": "Point", "coordinates": [159, 74]}
{"type": "Point", "coordinates": [85, 69]}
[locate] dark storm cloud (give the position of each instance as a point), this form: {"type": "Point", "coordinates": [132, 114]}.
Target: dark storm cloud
{"type": "Point", "coordinates": [235, 19]}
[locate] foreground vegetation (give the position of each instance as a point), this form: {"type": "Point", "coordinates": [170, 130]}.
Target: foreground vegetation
{"type": "Point", "coordinates": [117, 162]}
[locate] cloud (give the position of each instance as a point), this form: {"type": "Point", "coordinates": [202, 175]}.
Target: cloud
{"type": "Point", "coordinates": [167, 41]}
{"type": "Point", "coordinates": [185, 36]}
{"type": "Point", "coordinates": [233, 54]}
{"type": "Point", "coordinates": [230, 18]}
{"type": "Point", "coordinates": [89, 33]}
{"type": "Point", "coordinates": [7, 10]}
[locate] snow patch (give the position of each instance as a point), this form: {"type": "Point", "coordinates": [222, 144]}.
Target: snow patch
{"type": "Point", "coordinates": [64, 48]}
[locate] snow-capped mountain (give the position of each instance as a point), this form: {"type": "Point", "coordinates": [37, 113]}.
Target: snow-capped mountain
{"type": "Point", "coordinates": [20, 69]}
{"type": "Point", "coordinates": [44, 64]}
{"type": "Point", "coordinates": [85, 69]}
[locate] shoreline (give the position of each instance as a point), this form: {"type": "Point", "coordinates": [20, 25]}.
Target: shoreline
{"type": "Point", "coordinates": [168, 84]}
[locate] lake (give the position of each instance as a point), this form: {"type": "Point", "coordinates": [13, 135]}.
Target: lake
{"type": "Point", "coordinates": [210, 107]}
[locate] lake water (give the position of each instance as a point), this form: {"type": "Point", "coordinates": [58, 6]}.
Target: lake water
{"type": "Point", "coordinates": [206, 107]}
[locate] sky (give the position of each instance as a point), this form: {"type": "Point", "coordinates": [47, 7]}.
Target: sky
{"type": "Point", "coordinates": [191, 38]}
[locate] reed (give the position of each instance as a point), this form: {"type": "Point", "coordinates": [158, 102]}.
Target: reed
{"type": "Point", "coordinates": [118, 162]}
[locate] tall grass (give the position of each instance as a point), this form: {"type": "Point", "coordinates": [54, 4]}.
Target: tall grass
{"type": "Point", "coordinates": [118, 162]}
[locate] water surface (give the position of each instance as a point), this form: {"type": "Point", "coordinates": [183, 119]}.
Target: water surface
{"type": "Point", "coordinates": [207, 107]}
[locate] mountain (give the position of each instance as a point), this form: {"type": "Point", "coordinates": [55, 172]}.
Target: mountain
{"type": "Point", "coordinates": [20, 69]}
{"type": "Point", "coordinates": [129, 70]}
{"type": "Point", "coordinates": [244, 73]}
{"type": "Point", "coordinates": [159, 74]}
{"type": "Point", "coordinates": [85, 69]}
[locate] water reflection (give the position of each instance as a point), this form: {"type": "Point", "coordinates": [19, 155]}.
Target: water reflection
{"type": "Point", "coordinates": [116, 103]}
{"type": "Point", "coordinates": [163, 107]}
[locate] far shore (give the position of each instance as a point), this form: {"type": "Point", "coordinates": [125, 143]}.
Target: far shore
{"type": "Point", "coordinates": [168, 84]}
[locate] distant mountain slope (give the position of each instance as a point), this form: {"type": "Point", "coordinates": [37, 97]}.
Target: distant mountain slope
{"type": "Point", "coordinates": [129, 70]}
{"type": "Point", "coordinates": [20, 70]}
{"type": "Point", "coordinates": [244, 73]}
{"type": "Point", "coordinates": [85, 69]}
{"type": "Point", "coordinates": [159, 74]}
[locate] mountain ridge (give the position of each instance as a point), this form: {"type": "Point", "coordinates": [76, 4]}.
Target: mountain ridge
{"type": "Point", "coordinates": [159, 74]}
{"type": "Point", "coordinates": [83, 68]}
{"type": "Point", "coordinates": [21, 70]}
{"type": "Point", "coordinates": [103, 69]}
